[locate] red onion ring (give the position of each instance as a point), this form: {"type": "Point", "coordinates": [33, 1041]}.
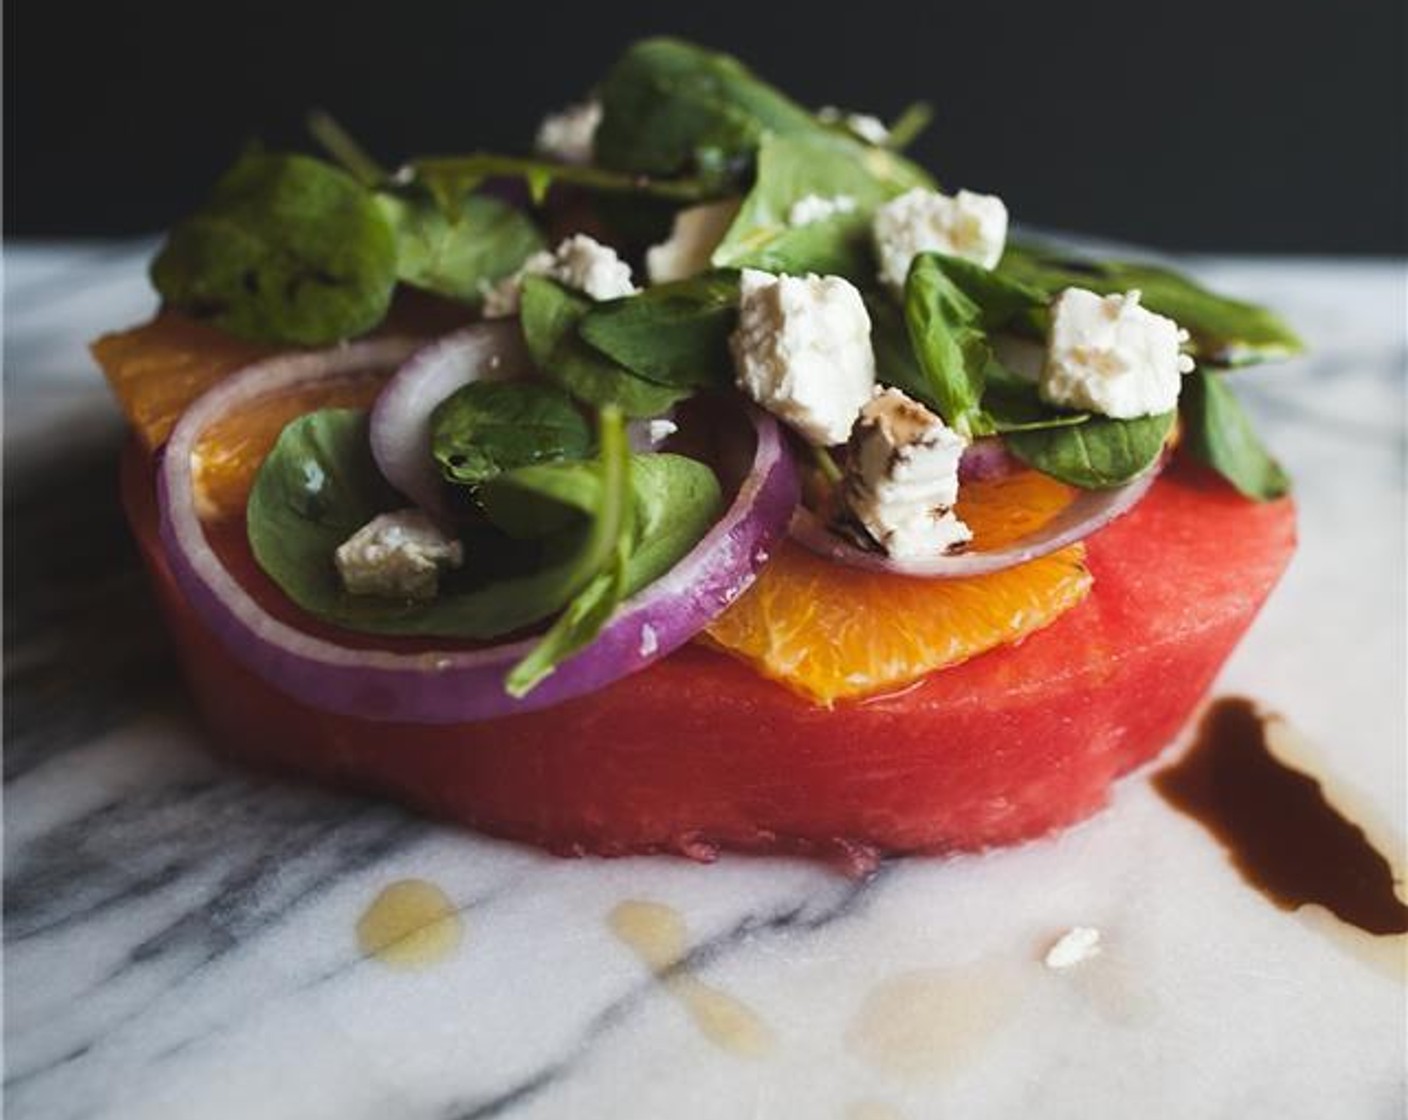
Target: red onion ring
{"type": "Point", "coordinates": [454, 685]}
{"type": "Point", "coordinates": [1090, 511]}
{"type": "Point", "coordinates": [400, 420]}
{"type": "Point", "coordinates": [987, 457]}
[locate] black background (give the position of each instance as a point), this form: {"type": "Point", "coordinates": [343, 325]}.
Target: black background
{"type": "Point", "coordinates": [1225, 125]}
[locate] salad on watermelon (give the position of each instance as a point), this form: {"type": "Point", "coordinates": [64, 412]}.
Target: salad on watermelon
{"type": "Point", "coordinates": [713, 477]}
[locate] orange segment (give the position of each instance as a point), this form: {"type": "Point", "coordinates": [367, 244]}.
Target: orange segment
{"type": "Point", "coordinates": [159, 368]}
{"type": "Point", "coordinates": [228, 454]}
{"type": "Point", "coordinates": [831, 632]}
{"type": "Point", "coordinates": [1003, 510]}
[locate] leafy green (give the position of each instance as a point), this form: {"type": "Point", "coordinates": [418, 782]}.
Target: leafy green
{"type": "Point", "coordinates": [554, 532]}
{"type": "Point", "coordinates": [286, 249]}
{"type": "Point", "coordinates": [895, 361]}
{"type": "Point", "coordinates": [823, 163]}
{"type": "Point", "coordinates": [1220, 434]}
{"type": "Point", "coordinates": [551, 315]}
{"type": "Point", "coordinates": [1096, 454]}
{"type": "Point", "coordinates": [457, 253]}
{"type": "Point", "coordinates": [909, 125]}
{"type": "Point", "coordinates": [671, 334]}
{"type": "Point", "coordinates": [1002, 301]}
{"type": "Point", "coordinates": [1224, 331]}
{"type": "Point", "coordinates": [670, 108]}
{"type": "Point", "coordinates": [319, 485]}
{"type": "Point", "coordinates": [487, 427]}
{"type": "Point", "coordinates": [652, 510]}
{"type": "Point", "coordinates": [1011, 403]}
{"type": "Point", "coordinates": [450, 178]}
{"type": "Point", "coordinates": [953, 351]}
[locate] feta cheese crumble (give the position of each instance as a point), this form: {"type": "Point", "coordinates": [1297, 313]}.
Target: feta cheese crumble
{"type": "Point", "coordinates": [397, 556]}
{"type": "Point", "coordinates": [695, 235]}
{"type": "Point", "coordinates": [902, 478]}
{"type": "Point", "coordinates": [802, 351]}
{"type": "Point", "coordinates": [570, 136]}
{"type": "Point", "coordinates": [1076, 946]}
{"type": "Point", "coordinates": [816, 208]}
{"type": "Point", "coordinates": [580, 262]}
{"type": "Point", "coordinates": [866, 127]}
{"type": "Point", "coordinates": [967, 225]}
{"type": "Point", "coordinates": [1107, 354]}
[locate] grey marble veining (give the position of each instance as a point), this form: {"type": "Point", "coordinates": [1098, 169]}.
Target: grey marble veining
{"type": "Point", "coordinates": [179, 935]}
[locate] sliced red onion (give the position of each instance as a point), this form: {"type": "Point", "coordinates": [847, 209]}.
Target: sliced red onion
{"type": "Point", "coordinates": [400, 421]}
{"type": "Point", "coordinates": [987, 457]}
{"type": "Point", "coordinates": [1089, 511]}
{"type": "Point", "coordinates": [456, 685]}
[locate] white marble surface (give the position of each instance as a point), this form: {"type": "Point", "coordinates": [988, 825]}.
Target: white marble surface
{"type": "Point", "coordinates": [179, 937]}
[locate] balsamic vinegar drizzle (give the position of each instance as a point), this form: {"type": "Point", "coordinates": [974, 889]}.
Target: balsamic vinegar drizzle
{"type": "Point", "coordinates": [1281, 833]}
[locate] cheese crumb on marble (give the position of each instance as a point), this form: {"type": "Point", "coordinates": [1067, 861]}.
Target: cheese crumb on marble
{"type": "Point", "coordinates": [696, 233]}
{"type": "Point", "coordinates": [802, 350]}
{"type": "Point", "coordinates": [579, 262]}
{"type": "Point", "coordinates": [397, 556]}
{"type": "Point", "coordinates": [1108, 354]}
{"type": "Point", "coordinates": [1076, 946]}
{"type": "Point", "coordinates": [901, 479]}
{"type": "Point", "coordinates": [816, 208]}
{"type": "Point", "coordinates": [968, 225]}
{"type": "Point", "coordinates": [569, 136]}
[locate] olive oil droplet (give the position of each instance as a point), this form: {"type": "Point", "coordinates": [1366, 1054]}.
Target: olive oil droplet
{"type": "Point", "coordinates": [656, 933]}
{"type": "Point", "coordinates": [411, 924]}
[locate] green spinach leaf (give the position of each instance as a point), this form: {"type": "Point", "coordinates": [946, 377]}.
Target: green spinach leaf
{"type": "Point", "coordinates": [1011, 403]}
{"type": "Point", "coordinates": [557, 533]}
{"type": "Point", "coordinates": [1220, 435]}
{"type": "Point", "coordinates": [319, 485]}
{"type": "Point", "coordinates": [895, 361]}
{"type": "Point", "coordinates": [1001, 300]}
{"type": "Point", "coordinates": [1096, 454]}
{"type": "Point", "coordinates": [671, 334]}
{"type": "Point", "coordinates": [651, 511]}
{"type": "Point", "coordinates": [551, 315]}
{"type": "Point", "coordinates": [670, 108]}
{"type": "Point", "coordinates": [953, 351]}
{"type": "Point", "coordinates": [829, 165]}
{"type": "Point", "coordinates": [286, 249]}
{"type": "Point", "coordinates": [488, 427]}
{"type": "Point", "coordinates": [1225, 331]}
{"type": "Point", "coordinates": [450, 178]}
{"type": "Point", "coordinates": [457, 254]}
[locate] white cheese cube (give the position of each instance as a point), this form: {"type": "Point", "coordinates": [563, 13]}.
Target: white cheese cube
{"type": "Point", "coordinates": [968, 225]}
{"type": "Point", "coordinates": [802, 351]}
{"type": "Point", "coordinates": [397, 556]}
{"type": "Point", "coordinates": [1107, 354]}
{"type": "Point", "coordinates": [816, 208]}
{"type": "Point", "coordinates": [570, 136]}
{"type": "Point", "coordinates": [696, 233]}
{"type": "Point", "coordinates": [902, 478]}
{"type": "Point", "coordinates": [580, 262]}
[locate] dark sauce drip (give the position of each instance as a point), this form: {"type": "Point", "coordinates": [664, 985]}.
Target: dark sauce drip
{"type": "Point", "coordinates": [1283, 836]}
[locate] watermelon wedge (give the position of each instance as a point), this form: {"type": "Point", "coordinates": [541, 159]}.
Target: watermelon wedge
{"type": "Point", "coordinates": [698, 753]}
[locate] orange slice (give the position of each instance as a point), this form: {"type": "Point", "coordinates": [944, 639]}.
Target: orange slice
{"type": "Point", "coordinates": [1003, 510]}
{"type": "Point", "coordinates": [228, 454]}
{"type": "Point", "coordinates": [831, 632]}
{"type": "Point", "coordinates": [156, 370]}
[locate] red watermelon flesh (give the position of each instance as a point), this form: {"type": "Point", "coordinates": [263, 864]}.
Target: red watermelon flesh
{"type": "Point", "coordinates": [698, 753]}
